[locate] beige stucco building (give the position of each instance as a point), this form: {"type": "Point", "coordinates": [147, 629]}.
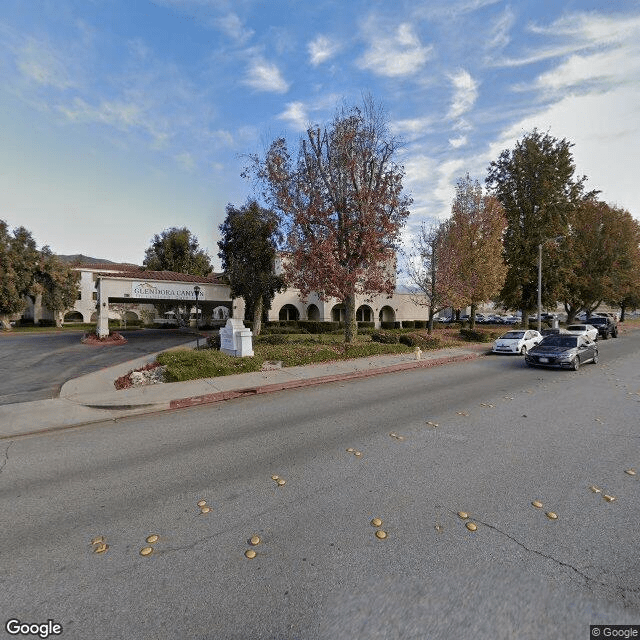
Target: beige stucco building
{"type": "Point", "coordinates": [109, 291]}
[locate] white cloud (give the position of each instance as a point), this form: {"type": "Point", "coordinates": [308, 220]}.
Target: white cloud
{"type": "Point", "coordinates": [456, 143]}
{"type": "Point", "coordinates": [499, 33]}
{"type": "Point", "coordinates": [395, 55]}
{"type": "Point", "coordinates": [186, 161]}
{"type": "Point", "coordinates": [118, 114]}
{"type": "Point", "coordinates": [450, 9]}
{"type": "Point", "coordinates": [322, 49]}
{"type": "Point", "coordinates": [412, 128]}
{"type": "Point", "coordinates": [234, 28]}
{"type": "Point", "coordinates": [465, 93]}
{"type": "Point", "coordinates": [296, 114]}
{"type": "Point", "coordinates": [41, 62]}
{"type": "Point", "coordinates": [605, 128]}
{"type": "Point", "coordinates": [265, 76]}
{"type": "Point", "coordinates": [583, 32]}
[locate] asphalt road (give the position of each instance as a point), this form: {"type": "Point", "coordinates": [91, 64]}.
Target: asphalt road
{"type": "Point", "coordinates": [35, 366]}
{"type": "Point", "coordinates": [487, 437]}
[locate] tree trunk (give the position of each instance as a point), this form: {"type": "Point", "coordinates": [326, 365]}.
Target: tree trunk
{"type": "Point", "coordinates": [5, 322]}
{"type": "Point", "coordinates": [257, 317]}
{"type": "Point", "coordinates": [525, 319]}
{"type": "Point", "coordinates": [472, 316]}
{"type": "Point", "coordinates": [430, 323]}
{"type": "Point", "coordinates": [623, 308]}
{"type": "Point", "coordinates": [350, 325]}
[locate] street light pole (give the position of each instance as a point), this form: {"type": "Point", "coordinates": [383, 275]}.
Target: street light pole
{"type": "Point", "coordinates": [196, 290]}
{"type": "Point", "coordinates": [539, 287]}
{"type": "Point", "coordinates": [540, 278]}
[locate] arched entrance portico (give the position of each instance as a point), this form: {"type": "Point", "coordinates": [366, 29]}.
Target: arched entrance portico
{"type": "Point", "coordinates": [162, 288]}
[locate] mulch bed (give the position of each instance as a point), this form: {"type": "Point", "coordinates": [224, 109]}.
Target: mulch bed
{"type": "Point", "coordinates": [112, 339]}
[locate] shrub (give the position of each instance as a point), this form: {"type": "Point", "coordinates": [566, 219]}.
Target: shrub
{"type": "Point", "coordinates": [273, 330]}
{"type": "Point", "coordinates": [410, 339]}
{"type": "Point", "coordinates": [421, 324]}
{"type": "Point", "coordinates": [408, 324]}
{"type": "Point", "coordinates": [46, 323]}
{"type": "Point", "coordinates": [384, 337]}
{"type": "Point", "coordinates": [366, 331]}
{"type": "Point", "coordinates": [366, 325]}
{"type": "Point", "coordinates": [387, 325]}
{"type": "Point", "coordinates": [417, 340]}
{"type": "Point", "coordinates": [213, 342]}
{"type": "Point", "coordinates": [478, 335]}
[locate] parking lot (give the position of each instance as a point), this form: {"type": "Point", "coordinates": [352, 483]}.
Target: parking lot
{"type": "Point", "coordinates": [34, 366]}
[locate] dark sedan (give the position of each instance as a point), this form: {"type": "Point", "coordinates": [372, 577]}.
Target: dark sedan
{"type": "Point", "coordinates": [563, 351]}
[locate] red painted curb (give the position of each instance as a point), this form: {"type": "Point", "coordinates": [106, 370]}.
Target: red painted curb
{"type": "Point", "coordinates": [308, 382]}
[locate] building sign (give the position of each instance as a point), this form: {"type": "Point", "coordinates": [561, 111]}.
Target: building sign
{"type": "Point", "coordinates": [165, 291]}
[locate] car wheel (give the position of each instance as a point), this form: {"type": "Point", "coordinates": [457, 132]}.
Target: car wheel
{"type": "Point", "coordinates": [606, 335]}
{"type": "Point", "coordinates": [575, 363]}
{"type": "Point", "coordinates": [615, 334]}
{"type": "Point", "coordinates": [595, 358]}
{"type": "Point", "coordinates": [523, 351]}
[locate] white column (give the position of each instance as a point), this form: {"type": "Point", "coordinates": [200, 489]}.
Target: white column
{"type": "Point", "coordinates": [102, 330]}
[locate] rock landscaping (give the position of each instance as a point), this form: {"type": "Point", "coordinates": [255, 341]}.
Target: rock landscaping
{"type": "Point", "coordinates": [153, 373]}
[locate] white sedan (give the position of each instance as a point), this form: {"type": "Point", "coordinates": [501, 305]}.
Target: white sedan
{"type": "Point", "coordinates": [517, 342]}
{"type": "Point", "coordinates": [583, 330]}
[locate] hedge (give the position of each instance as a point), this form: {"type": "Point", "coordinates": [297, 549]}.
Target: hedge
{"type": "Point", "coordinates": [384, 337]}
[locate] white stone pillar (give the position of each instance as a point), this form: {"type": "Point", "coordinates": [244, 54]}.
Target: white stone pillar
{"type": "Point", "coordinates": [102, 330]}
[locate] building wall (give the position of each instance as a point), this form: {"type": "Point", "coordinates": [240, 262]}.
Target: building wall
{"type": "Point", "coordinates": [400, 306]}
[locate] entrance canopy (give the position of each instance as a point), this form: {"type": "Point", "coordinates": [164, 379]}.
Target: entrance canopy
{"type": "Point", "coordinates": [149, 287]}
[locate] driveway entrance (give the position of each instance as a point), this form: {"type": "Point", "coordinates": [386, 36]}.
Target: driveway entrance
{"type": "Point", "coordinates": [34, 366]}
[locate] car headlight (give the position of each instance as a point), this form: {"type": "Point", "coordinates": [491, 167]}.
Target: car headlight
{"type": "Point", "coordinates": [565, 356]}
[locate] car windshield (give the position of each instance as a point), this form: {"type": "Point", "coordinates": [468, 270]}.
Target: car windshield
{"type": "Point", "coordinates": [597, 320]}
{"type": "Point", "coordinates": [513, 335]}
{"type": "Point", "coordinates": [568, 342]}
{"type": "Point", "coordinates": [577, 327]}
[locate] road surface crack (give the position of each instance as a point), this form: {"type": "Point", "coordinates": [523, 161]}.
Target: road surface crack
{"type": "Point", "coordinates": [6, 456]}
{"type": "Point", "coordinates": [582, 574]}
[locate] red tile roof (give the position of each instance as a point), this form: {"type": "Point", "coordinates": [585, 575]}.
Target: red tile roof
{"type": "Point", "coordinates": [213, 278]}
{"type": "Point", "coordinates": [107, 266]}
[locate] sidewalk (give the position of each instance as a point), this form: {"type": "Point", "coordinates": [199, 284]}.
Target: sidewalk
{"type": "Point", "coordinates": [93, 397]}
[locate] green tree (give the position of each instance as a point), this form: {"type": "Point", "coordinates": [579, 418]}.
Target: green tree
{"type": "Point", "coordinates": [57, 282]}
{"type": "Point", "coordinates": [472, 270]}
{"type": "Point", "coordinates": [536, 186]}
{"type": "Point", "coordinates": [248, 246]}
{"type": "Point", "coordinates": [601, 257]}
{"type": "Point", "coordinates": [342, 205]}
{"type": "Point", "coordinates": [18, 258]}
{"type": "Point", "coordinates": [177, 250]}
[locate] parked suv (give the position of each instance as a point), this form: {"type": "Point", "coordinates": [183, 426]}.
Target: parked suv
{"type": "Point", "coordinates": [606, 326]}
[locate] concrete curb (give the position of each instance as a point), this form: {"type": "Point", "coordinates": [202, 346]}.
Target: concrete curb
{"type": "Point", "coordinates": [308, 382]}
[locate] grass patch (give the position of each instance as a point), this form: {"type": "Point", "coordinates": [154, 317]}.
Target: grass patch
{"type": "Point", "coordinates": [294, 350]}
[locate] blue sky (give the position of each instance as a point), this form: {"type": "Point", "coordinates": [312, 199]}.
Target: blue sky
{"type": "Point", "coordinates": [121, 118]}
